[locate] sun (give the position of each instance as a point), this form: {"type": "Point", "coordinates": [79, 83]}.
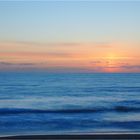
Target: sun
{"type": "Point", "coordinates": [112, 56]}
{"type": "Point", "coordinates": [111, 62]}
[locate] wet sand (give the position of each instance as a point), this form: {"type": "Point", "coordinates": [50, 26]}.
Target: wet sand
{"type": "Point", "coordinates": [78, 136]}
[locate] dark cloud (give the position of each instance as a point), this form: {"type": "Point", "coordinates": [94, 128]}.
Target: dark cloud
{"type": "Point", "coordinates": [130, 66]}
{"type": "Point", "coordinates": [96, 62]}
{"type": "Point", "coordinates": [59, 54]}
{"type": "Point", "coordinates": [127, 67]}
{"type": "Point", "coordinates": [16, 64]}
{"type": "Point", "coordinates": [5, 63]}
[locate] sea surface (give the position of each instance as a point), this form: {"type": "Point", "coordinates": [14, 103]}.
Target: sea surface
{"type": "Point", "coordinates": [67, 103]}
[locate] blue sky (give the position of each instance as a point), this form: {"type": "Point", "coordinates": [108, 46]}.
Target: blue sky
{"type": "Point", "coordinates": [86, 36]}
{"type": "Point", "coordinates": [70, 21]}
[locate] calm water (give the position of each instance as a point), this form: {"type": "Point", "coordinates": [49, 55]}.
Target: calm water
{"type": "Point", "coordinates": [46, 103]}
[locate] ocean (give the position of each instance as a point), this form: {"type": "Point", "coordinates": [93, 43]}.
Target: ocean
{"type": "Point", "coordinates": [68, 103]}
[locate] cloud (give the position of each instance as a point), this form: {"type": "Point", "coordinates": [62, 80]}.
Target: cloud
{"type": "Point", "coordinates": [59, 54]}
{"type": "Point", "coordinates": [124, 67]}
{"type": "Point", "coordinates": [16, 64]}
{"type": "Point", "coordinates": [103, 45]}
{"type": "Point", "coordinates": [37, 55]}
{"type": "Point", "coordinates": [64, 44]}
{"type": "Point", "coordinates": [23, 45]}
{"type": "Point", "coordinates": [130, 66]}
{"type": "Point", "coordinates": [96, 62]}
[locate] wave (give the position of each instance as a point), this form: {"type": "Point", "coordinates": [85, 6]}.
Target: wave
{"type": "Point", "coordinates": [113, 89]}
{"type": "Point", "coordinates": [126, 109]}
{"type": "Point", "coordinates": [4, 111]}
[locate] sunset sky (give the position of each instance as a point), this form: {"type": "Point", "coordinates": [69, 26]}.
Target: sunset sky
{"type": "Point", "coordinates": [73, 36]}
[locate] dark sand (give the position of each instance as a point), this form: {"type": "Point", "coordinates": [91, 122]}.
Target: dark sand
{"type": "Point", "coordinates": [78, 136]}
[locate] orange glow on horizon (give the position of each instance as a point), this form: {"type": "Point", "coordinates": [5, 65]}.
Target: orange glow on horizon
{"type": "Point", "coordinates": [89, 57]}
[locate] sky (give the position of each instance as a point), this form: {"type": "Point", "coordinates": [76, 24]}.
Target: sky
{"type": "Point", "coordinates": [74, 36]}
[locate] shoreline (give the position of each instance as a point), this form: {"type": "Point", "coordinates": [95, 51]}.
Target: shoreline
{"type": "Point", "coordinates": [78, 136]}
